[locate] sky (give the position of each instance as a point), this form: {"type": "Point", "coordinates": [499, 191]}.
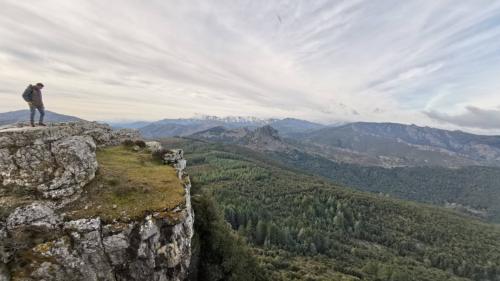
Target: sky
{"type": "Point", "coordinates": [432, 63]}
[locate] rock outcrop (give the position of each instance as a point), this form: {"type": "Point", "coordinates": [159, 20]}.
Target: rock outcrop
{"type": "Point", "coordinates": [42, 170]}
{"type": "Point", "coordinates": [55, 161]}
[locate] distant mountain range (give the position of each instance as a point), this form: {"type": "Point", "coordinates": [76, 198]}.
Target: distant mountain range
{"type": "Point", "coordinates": [396, 145]}
{"type": "Point", "coordinates": [24, 116]}
{"type": "Point", "coordinates": [186, 127]}
{"type": "Point", "coordinates": [363, 143]}
{"type": "Point", "coordinates": [128, 125]}
{"type": "Point", "coordinates": [372, 144]}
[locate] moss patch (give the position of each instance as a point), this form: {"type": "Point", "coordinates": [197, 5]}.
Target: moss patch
{"type": "Point", "coordinates": [127, 186]}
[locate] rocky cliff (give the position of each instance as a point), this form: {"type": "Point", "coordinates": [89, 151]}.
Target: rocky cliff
{"type": "Point", "coordinates": [77, 205]}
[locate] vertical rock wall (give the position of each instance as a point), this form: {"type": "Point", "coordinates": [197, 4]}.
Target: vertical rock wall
{"type": "Point", "coordinates": [41, 170]}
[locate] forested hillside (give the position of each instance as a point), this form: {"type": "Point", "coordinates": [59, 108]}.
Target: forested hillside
{"type": "Point", "coordinates": [474, 190]}
{"type": "Point", "coordinates": [304, 227]}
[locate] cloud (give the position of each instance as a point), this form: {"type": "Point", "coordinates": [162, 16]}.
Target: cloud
{"type": "Point", "coordinates": [322, 60]}
{"type": "Point", "coordinates": [473, 117]}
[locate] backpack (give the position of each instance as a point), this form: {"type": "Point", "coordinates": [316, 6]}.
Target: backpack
{"type": "Point", "coordinates": [28, 94]}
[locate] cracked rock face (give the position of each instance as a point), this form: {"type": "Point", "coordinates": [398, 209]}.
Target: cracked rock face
{"type": "Point", "coordinates": [51, 166]}
{"type": "Point", "coordinates": [4, 273]}
{"type": "Point", "coordinates": [55, 169]}
{"type": "Point", "coordinates": [55, 161]}
{"type": "Point", "coordinates": [173, 156]}
{"type": "Point", "coordinates": [154, 248]}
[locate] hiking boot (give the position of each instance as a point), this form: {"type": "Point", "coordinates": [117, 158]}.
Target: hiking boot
{"type": "Point", "coordinates": [32, 124]}
{"type": "Point", "coordinates": [41, 124]}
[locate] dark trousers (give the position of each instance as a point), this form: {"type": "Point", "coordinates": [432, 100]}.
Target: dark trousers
{"type": "Point", "coordinates": [33, 109]}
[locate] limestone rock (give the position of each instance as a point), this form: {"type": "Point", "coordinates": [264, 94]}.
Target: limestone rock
{"type": "Point", "coordinates": [83, 225]}
{"type": "Point", "coordinates": [172, 156]}
{"type": "Point", "coordinates": [52, 162]}
{"type": "Point", "coordinates": [4, 252]}
{"type": "Point", "coordinates": [52, 165]}
{"type": "Point", "coordinates": [4, 273]}
{"type": "Point", "coordinates": [119, 136]}
{"type": "Point", "coordinates": [55, 160]}
{"type": "Point", "coordinates": [48, 271]}
{"type": "Point", "coordinates": [116, 247]}
{"type": "Point", "coordinates": [153, 146]}
{"type": "Point", "coordinates": [102, 134]}
{"type": "Point", "coordinates": [180, 164]}
{"type": "Point", "coordinates": [175, 157]}
{"type": "Point", "coordinates": [170, 253]}
{"type": "Point", "coordinates": [76, 162]}
{"type": "Point", "coordinates": [34, 215]}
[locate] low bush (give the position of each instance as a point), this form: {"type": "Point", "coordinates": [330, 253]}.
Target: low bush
{"type": "Point", "coordinates": [128, 143]}
{"type": "Point", "coordinates": [140, 143]}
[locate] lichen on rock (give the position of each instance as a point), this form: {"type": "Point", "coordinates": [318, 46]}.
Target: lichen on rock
{"type": "Point", "coordinates": [38, 214]}
{"type": "Point", "coordinates": [80, 209]}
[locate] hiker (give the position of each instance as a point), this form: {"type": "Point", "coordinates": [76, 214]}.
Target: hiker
{"type": "Point", "coordinates": [33, 96]}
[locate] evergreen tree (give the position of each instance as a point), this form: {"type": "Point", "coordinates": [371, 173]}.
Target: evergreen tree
{"type": "Point", "coordinates": [339, 220]}
{"type": "Point", "coordinates": [261, 232]}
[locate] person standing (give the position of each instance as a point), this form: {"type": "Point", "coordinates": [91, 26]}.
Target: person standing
{"type": "Point", "coordinates": [33, 96]}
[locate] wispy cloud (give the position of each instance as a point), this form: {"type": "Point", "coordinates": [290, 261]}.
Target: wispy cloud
{"type": "Point", "coordinates": [321, 60]}
{"type": "Point", "coordinates": [472, 117]}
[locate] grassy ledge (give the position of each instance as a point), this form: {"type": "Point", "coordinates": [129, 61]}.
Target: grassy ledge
{"type": "Point", "coordinates": [128, 186]}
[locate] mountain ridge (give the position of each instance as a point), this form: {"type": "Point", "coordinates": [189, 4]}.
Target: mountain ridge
{"type": "Point", "coordinates": [185, 127]}
{"type": "Point", "coordinates": [394, 144]}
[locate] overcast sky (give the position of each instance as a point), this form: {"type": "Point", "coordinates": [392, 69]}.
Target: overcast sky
{"type": "Point", "coordinates": [433, 63]}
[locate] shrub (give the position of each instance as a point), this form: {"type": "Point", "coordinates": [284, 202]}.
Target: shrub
{"type": "Point", "coordinates": [140, 143]}
{"type": "Point", "coordinates": [113, 182]}
{"type": "Point", "coordinates": [158, 154]}
{"type": "Point", "coordinates": [128, 143]}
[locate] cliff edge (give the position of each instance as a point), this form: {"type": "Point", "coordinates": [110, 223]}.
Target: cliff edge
{"type": "Point", "coordinates": [76, 204]}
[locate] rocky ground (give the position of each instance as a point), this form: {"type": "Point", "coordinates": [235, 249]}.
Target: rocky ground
{"type": "Point", "coordinates": [56, 222]}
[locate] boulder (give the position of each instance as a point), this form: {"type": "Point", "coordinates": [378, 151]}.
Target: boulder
{"type": "Point", "coordinates": [172, 156]}
{"type": "Point", "coordinates": [76, 166]}
{"type": "Point", "coordinates": [56, 161]}
{"type": "Point", "coordinates": [153, 146]}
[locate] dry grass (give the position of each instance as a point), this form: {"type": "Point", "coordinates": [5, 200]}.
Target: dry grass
{"type": "Point", "coordinates": [128, 186]}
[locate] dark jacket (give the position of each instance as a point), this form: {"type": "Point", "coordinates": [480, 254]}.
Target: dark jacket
{"type": "Point", "coordinates": [37, 98]}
